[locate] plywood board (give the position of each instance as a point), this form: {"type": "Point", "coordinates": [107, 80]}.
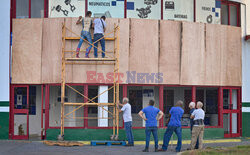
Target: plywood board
{"type": "Point", "coordinates": [26, 51]}
{"type": "Point", "coordinates": [170, 47]}
{"type": "Point", "coordinates": [144, 50]}
{"type": "Point", "coordinates": [52, 48]}
{"type": "Point", "coordinates": [213, 55]}
{"type": "Point", "coordinates": [231, 61]}
{"type": "Point", "coordinates": [193, 54]}
{"type": "Point", "coordinates": [124, 48]}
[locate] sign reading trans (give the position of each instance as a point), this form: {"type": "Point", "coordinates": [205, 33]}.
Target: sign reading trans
{"type": "Point", "coordinates": [66, 8]}
{"type": "Point", "coordinates": [147, 9]}
{"type": "Point", "coordinates": [208, 11]}
{"type": "Point", "coordinates": [109, 8]}
{"type": "Point", "coordinates": [178, 10]}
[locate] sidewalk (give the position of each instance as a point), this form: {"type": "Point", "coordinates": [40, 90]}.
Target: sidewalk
{"type": "Point", "coordinates": [9, 147]}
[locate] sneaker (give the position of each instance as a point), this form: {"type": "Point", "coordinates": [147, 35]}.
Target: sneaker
{"type": "Point", "coordinates": [86, 56]}
{"type": "Point", "coordinates": [156, 150]}
{"type": "Point", "coordinates": [145, 150]}
{"type": "Point", "coordinates": [77, 55]}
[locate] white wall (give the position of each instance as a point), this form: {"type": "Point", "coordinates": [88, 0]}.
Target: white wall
{"type": "Point", "coordinates": [245, 24]}
{"type": "Point", "coordinates": [4, 50]}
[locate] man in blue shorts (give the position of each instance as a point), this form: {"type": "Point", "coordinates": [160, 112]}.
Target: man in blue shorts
{"type": "Point", "coordinates": [151, 119]}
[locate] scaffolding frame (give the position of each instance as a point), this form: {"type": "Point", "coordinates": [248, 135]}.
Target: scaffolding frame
{"type": "Point", "coordinates": [110, 60]}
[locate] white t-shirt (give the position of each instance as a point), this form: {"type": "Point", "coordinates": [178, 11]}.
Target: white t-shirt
{"type": "Point", "coordinates": [100, 24]}
{"type": "Point", "coordinates": [198, 114]}
{"type": "Point", "coordinates": [127, 112]}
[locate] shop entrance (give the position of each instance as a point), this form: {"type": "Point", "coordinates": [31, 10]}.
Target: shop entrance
{"type": "Point", "coordinates": [231, 112]}
{"type": "Point", "coordinates": [20, 112]}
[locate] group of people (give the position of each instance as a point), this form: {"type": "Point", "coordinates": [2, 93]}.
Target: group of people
{"type": "Point", "coordinates": [151, 115]}
{"type": "Point", "coordinates": [99, 26]}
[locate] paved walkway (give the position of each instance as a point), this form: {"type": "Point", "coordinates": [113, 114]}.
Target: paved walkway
{"type": "Point", "coordinates": [9, 147]}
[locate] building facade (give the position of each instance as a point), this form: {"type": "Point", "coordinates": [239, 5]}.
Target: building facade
{"type": "Point", "coordinates": [34, 101]}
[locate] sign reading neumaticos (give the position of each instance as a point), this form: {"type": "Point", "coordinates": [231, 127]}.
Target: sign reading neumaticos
{"type": "Point", "coordinates": [108, 8]}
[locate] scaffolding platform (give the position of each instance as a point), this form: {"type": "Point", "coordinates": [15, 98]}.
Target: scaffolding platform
{"type": "Point", "coordinates": [107, 143]}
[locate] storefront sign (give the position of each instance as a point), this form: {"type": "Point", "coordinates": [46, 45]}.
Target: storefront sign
{"type": "Point", "coordinates": [147, 9]}
{"type": "Point", "coordinates": [66, 8]}
{"type": "Point", "coordinates": [208, 11]}
{"type": "Point", "coordinates": [178, 10]}
{"type": "Point", "coordinates": [109, 8]}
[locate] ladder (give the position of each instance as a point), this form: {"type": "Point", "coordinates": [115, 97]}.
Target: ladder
{"type": "Point", "coordinates": [109, 60]}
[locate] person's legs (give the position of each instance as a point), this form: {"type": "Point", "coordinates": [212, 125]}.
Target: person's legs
{"type": "Point", "coordinates": [95, 45]}
{"type": "Point", "coordinates": [127, 129]}
{"type": "Point", "coordinates": [197, 143]}
{"type": "Point", "coordinates": [178, 132]}
{"type": "Point", "coordinates": [195, 133]}
{"type": "Point", "coordinates": [201, 137]}
{"type": "Point", "coordinates": [103, 46]}
{"type": "Point", "coordinates": [89, 38]}
{"type": "Point", "coordinates": [131, 139]}
{"type": "Point", "coordinates": [79, 44]}
{"type": "Point", "coordinates": [167, 136]}
{"type": "Point", "coordinates": [154, 131]}
{"type": "Point", "coordinates": [148, 133]}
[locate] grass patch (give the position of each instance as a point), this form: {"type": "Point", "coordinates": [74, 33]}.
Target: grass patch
{"type": "Point", "coordinates": [238, 150]}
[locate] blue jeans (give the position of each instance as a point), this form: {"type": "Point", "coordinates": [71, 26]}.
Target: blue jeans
{"type": "Point", "coordinates": [148, 131]}
{"type": "Point", "coordinates": [87, 35]}
{"type": "Point", "coordinates": [167, 137]}
{"type": "Point", "coordinates": [129, 133]}
{"type": "Point", "coordinates": [197, 143]}
{"type": "Point", "coordinates": [98, 36]}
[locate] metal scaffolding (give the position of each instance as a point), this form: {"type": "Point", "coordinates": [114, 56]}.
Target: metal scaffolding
{"type": "Point", "coordinates": [108, 60]}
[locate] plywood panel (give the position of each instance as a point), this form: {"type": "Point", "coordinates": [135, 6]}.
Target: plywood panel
{"type": "Point", "coordinates": [26, 50]}
{"type": "Point", "coordinates": [52, 48]}
{"type": "Point", "coordinates": [144, 49]}
{"type": "Point", "coordinates": [231, 69]}
{"type": "Point", "coordinates": [193, 54]}
{"type": "Point", "coordinates": [170, 47]}
{"type": "Point", "coordinates": [213, 55]}
{"type": "Point", "coordinates": [124, 48]}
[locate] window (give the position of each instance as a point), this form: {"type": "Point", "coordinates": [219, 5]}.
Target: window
{"type": "Point", "coordinates": [29, 8]}
{"type": "Point", "coordinates": [171, 96]}
{"type": "Point", "coordinates": [230, 13]}
{"type": "Point", "coordinates": [209, 98]}
{"type": "Point", "coordinates": [139, 97]}
{"type": "Point", "coordinates": [72, 120]}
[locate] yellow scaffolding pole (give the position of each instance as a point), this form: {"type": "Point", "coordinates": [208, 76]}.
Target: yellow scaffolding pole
{"type": "Point", "coordinates": [111, 60]}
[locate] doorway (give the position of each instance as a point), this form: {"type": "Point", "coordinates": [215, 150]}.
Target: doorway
{"type": "Point", "coordinates": [231, 112]}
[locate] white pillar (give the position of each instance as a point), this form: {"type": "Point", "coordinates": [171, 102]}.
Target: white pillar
{"type": "Point", "coordinates": [103, 113]}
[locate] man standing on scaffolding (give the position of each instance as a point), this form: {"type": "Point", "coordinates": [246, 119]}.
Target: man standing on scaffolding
{"type": "Point", "coordinates": [86, 25]}
{"type": "Point", "coordinates": [99, 29]}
